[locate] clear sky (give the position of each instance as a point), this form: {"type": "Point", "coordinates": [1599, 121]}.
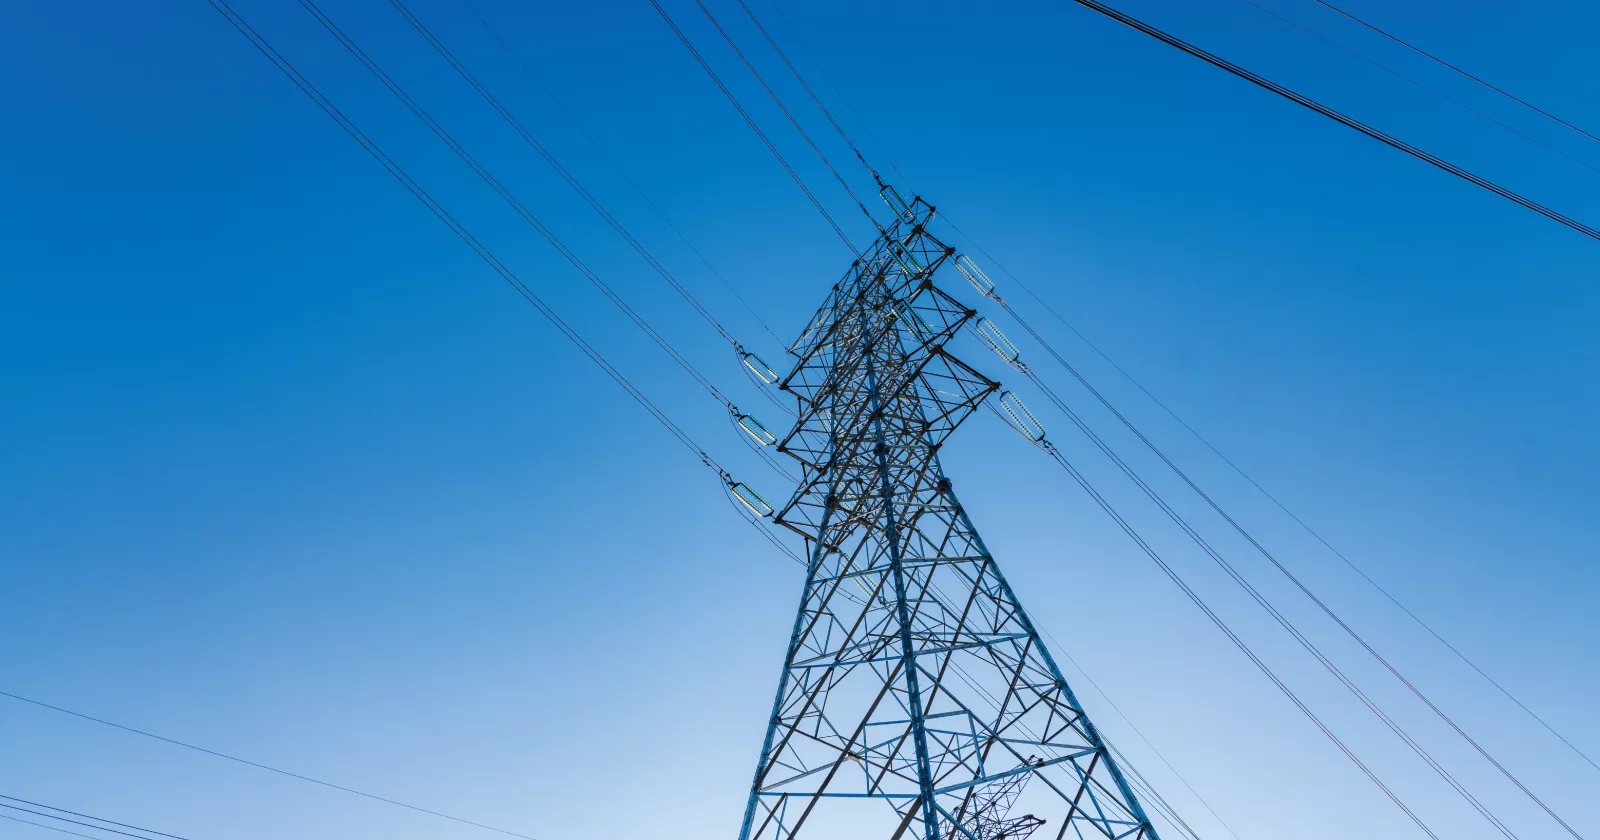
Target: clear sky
{"type": "Point", "coordinates": [286, 472]}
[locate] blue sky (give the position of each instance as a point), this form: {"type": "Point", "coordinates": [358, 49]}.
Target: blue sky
{"type": "Point", "coordinates": [288, 473]}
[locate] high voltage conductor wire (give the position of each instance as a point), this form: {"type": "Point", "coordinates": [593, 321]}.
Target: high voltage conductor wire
{"type": "Point", "coordinates": [377, 153]}
{"type": "Point", "coordinates": [1273, 611]}
{"type": "Point", "coordinates": [1261, 549]}
{"type": "Point", "coordinates": [561, 106]}
{"type": "Point", "coordinates": [144, 835]}
{"type": "Point", "coordinates": [521, 209]}
{"type": "Point", "coordinates": [1133, 534]}
{"type": "Point", "coordinates": [785, 109]}
{"type": "Point", "coordinates": [750, 121]}
{"type": "Point", "coordinates": [1274, 499]}
{"type": "Point", "coordinates": [577, 186]}
{"type": "Point", "coordinates": [1209, 445]}
{"type": "Point", "coordinates": [1403, 77]}
{"type": "Point", "coordinates": [809, 92]}
{"type": "Point", "coordinates": [259, 766]}
{"type": "Point", "coordinates": [1305, 101]}
{"type": "Point", "coordinates": [1431, 57]}
{"type": "Point", "coordinates": [527, 136]}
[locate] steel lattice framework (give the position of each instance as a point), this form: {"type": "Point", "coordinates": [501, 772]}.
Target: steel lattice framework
{"type": "Point", "coordinates": [913, 679]}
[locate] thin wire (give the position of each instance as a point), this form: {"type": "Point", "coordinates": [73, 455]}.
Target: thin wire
{"type": "Point", "coordinates": [1238, 642]}
{"type": "Point", "coordinates": [619, 168]}
{"type": "Point", "coordinates": [84, 824]}
{"type": "Point", "coordinates": [1267, 554]}
{"type": "Point", "coordinates": [1120, 370]}
{"type": "Point", "coordinates": [86, 816]}
{"type": "Point", "coordinates": [80, 715]}
{"type": "Point", "coordinates": [1269, 496]}
{"type": "Point", "coordinates": [566, 175]}
{"type": "Point", "coordinates": [1431, 57]}
{"type": "Point", "coordinates": [792, 121]}
{"type": "Point", "coordinates": [521, 209]}
{"type": "Point", "coordinates": [1273, 611]}
{"type": "Point", "coordinates": [1397, 74]}
{"type": "Point", "coordinates": [50, 827]}
{"type": "Point", "coordinates": [1299, 99]}
{"type": "Point", "coordinates": [750, 121]}
{"type": "Point", "coordinates": [809, 92]}
{"type": "Point", "coordinates": [1062, 650]}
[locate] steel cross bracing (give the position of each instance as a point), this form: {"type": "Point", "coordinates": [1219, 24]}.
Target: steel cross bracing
{"type": "Point", "coordinates": [917, 700]}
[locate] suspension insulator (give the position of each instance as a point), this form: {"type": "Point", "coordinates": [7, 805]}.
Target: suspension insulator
{"type": "Point", "coordinates": [908, 261]}
{"type": "Point", "coordinates": [912, 321]}
{"type": "Point", "coordinates": [892, 198]}
{"type": "Point", "coordinates": [997, 341]}
{"type": "Point", "coordinates": [1021, 418]}
{"type": "Point", "coordinates": [754, 429]}
{"type": "Point", "coordinates": [758, 367]}
{"type": "Point", "coordinates": [750, 499]}
{"type": "Point", "coordinates": [975, 275]}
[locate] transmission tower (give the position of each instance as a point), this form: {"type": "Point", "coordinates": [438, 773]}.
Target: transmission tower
{"type": "Point", "coordinates": [913, 678]}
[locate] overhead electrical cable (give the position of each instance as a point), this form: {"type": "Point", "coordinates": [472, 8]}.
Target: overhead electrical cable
{"type": "Point", "coordinates": [1431, 57]}
{"type": "Point", "coordinates": [1420, 86]}
{"type": "Point", "coordinates": [750, 121]}
{"type": "Point", "coordinates": [259, 766]}
{"type": "Point", "coordinates": [1238, 642]}
{"type": "Point", "coordinates": [561, 106]}
{"type": "Point", "coordinates": [804, 135]}
{"type": "Point", "coordinates": [466, 74]}
{"type": "Point", "coordinates": [944, 216]}
{"type": "Point", "coordinates": [566, 175]}
{"type": "Point", "coordinates": [1261, 549]}
{"type": "Point", "coordinates": [87, 817]}
{"type": "Point", "coordinates": [1277, 615]}
{"type": "Point", "coordinates": [9, 818]}
{"type": "Point", "coordinates": [144, 836]}
{"type": "Point", "coordinates": [1299, 99]}
{"type": "Point", "coordinates": [1270, 497]}
{"type": "Point", "coordinates": [516, 205]}
{"type": "Point", "coordinates": [809, 92]}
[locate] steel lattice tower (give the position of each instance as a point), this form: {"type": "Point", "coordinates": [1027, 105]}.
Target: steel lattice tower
{"type": "Point", "coordinates": [913, 679]}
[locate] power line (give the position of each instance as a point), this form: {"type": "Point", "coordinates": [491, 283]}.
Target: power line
{"type": "Point", "coordinates": [1238, 642]}
{"type": "Point", "coordinates": [1299, 99]}
{"type": "Point", "coordinates": [1280, 567]}
{"type": "Point", "coordinates": [521, 209]}
{"type": "Point", "coordinates": [1431, 57]}
{"type": "Point", "coordinates": [532, 76]}
{"type": "Point", "coordinates": [750, 121]}
{"type": "Point", "coordinates": [48, 827]}
{"type": "Point", "coordinates": [88, 816]}
{"type": "Point", "coordinates": [1403, 77]}
{"type": "Point", "coordinates": [145, 835]}
{"type": "Point", "coordinates": [1277, 615]}
{"type": "Point", "coordinates": [566, 175]}
{"type": "Point", "coordinates": [258, 765]}
{"type": "Point", "coordinates": [1123, 372]}
{"type": "Point", "coordinates": [809, 92]}
{"type": "Point", "coordinates": [785, 109]}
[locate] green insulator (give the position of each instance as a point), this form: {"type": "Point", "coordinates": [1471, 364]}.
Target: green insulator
{"type": "Point", "coordinates": [975, 275]}
{"type": "Point", "coordinates": [755, 430]}
{"type": "Point", "coordinates": [760, 368]}
{"type": "Point", "coordinates": [750, 499]}
{"type": "Point", "coordinates": [1021, 418]}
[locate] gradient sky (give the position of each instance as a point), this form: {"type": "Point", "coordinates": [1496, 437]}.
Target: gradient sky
{"type": "Point", "coordinates": [286, 472]}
